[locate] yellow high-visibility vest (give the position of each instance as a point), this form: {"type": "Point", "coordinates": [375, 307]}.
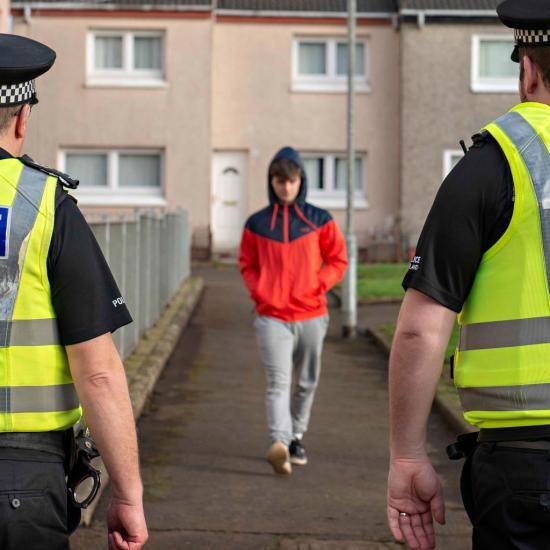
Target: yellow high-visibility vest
{"type": "Point", "coordinates": [36, 388]}
{"type": "Point", "coordinates": [502, 365]}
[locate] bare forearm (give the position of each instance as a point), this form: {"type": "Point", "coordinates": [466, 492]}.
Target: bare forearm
{"type": "Point", "coordinates": [423, 331]}
{"type": "Point", "coordinates": [415, 368]}
{"type": "Point", "coordinates": [108, 413]}
{"type": "Point", "coordinates": [100, 381]}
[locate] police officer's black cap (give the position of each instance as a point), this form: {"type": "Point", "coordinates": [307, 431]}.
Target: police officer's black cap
{"type": "Point", "coordinates": [530, 20]}
{"type": "Point", "coordinates": [21, 61]}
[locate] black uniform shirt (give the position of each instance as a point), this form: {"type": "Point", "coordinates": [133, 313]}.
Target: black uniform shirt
{"type": "Point", "coordinates": [471, 211]}
{"type": "Point", "coordinates": [84, 292]}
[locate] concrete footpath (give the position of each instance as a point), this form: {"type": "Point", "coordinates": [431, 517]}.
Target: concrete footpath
{"type": "Point", "coordinates": [203, 441]}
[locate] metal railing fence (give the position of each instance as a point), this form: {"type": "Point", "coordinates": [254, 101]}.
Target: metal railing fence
{"type": "Point", "coordinates": [149, 256]}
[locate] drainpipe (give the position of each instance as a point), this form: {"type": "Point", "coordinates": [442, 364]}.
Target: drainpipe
{"type": "Point", "coordinates": [27, 14]}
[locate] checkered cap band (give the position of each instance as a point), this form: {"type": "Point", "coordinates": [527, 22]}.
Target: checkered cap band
{"type": "Point", "coordinates": [15, 94]}
{"type": "Point", "coordinates": [532, 36]}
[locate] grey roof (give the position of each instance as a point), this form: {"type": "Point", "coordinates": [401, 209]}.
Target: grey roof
{"type": "Point", "coordinates": [324, 6]}
{"type": "Point", "coordinates": [314, 6]}
{"type": "Point", "coordinates": [114, 4]}
{"type": "Point", "coordinates": [288, 6]}
{"type": "Point", "coordinates": [452, 5]}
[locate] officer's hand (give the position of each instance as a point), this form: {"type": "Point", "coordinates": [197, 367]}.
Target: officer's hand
{"type": "Point", "coordinates": [126, 525]}
{"type": "Point", "coordinates": [414, 488]}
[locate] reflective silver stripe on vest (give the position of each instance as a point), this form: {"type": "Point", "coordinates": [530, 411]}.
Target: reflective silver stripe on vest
{"type": "Point", "coordinates": [26, 205]}
{"type": "Point", "coordinates": [37, 399]}
{"type": "Point", "coordinates": [532, 397]}
{"type": "Point", "coordinates": [34, 332]}
{"type": "Point", "coordinates": [536, 157]}
{"type": "Point", "coordinates": [504, 334]}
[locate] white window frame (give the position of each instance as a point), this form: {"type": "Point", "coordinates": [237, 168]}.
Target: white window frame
{"type": "Point", "coordinates": [448, 156]}
{"type": "Point", "coordinates": [128, 76]}
{"type": "Point", "coordinates": [481, 84]}
{"type": "Point", "coordinates": [330, 82]}
{"type": "Point", "coordinates": [330, 197]}
{"type": "Point", "coordinates": [113, 194]}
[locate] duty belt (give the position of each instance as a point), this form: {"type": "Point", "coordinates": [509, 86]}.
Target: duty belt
{"type": "Point", "coordinates": [54, 442]}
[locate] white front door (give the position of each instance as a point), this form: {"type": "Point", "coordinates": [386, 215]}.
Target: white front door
{"type": "Point", "coordinates": [228, 194]}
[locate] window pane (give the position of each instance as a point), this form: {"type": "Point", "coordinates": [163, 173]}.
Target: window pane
{"type": "Point", "coordinates": [139, 171]}
{"type": "Point", "coordinates": [342, 176]}
{"type": "Point", "coordinates": [494, 59]}
{"type": "Point", "coordinates": [312, 58]}
{"type": "Point", "coordinates": [108, 52]}
{"type": "Point", "coordinates": [315, 173]}
{"type": "Point", "coordinates": [342, 59]}
{"type": "Point", "coordinates": [147, 52]}
{"type": "Point", "coordinates": [89, 168]}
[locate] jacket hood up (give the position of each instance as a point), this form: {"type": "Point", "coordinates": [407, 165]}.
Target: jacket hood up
{"type": "Point", "coordinates": [294, 156]}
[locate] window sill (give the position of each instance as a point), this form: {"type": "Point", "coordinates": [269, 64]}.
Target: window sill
{"type": "Point", "coordinates": [125, 83]}
{"type": "Point", "coordinates": [328, 88]}
{"type": "Point", "coordinates": [489, 88]}
{"type": "Point", "coordinates": [338, 203]}
{"type": "Point", "coordinates": [88, 199]}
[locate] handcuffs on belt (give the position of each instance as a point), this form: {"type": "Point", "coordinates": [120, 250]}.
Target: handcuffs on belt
{"type": "Point", "coordinates": [81, 470]}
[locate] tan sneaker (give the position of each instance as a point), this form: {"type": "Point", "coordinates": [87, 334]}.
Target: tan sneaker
{"type": "Point", "coordinates": [279, 458]}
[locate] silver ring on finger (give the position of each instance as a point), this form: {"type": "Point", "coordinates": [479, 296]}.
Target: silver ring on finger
{"type": "Point", "coordinates": [403, 515]}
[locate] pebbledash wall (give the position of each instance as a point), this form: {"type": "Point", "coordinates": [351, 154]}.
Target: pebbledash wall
{"type": "Point", "coordinates": [5, 10]}
{"type": "Point", "coordinates": [442, 103]}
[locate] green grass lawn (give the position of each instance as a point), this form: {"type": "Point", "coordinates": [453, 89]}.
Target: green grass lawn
{"type": "Point", "coordinates": [389, 331]}
{"type": "Point", "coordinates": [380, 280]}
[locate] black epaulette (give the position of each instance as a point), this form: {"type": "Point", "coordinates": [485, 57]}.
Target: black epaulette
{"type": "Point", "coordinates": [481, 138]}
{"type": "Point", "coordinates": [63, 194]}
{"type": "Point", "coordinates": [64, 179]}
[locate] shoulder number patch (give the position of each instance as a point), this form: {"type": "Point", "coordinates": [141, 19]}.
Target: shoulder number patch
{"type": "Point", "coordinates": [5, 219]}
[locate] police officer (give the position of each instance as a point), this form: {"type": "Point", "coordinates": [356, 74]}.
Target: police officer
{"type": "Point", "coordinates": [484, 253]}
{"type": "Point", "coordinates": [59, 305]}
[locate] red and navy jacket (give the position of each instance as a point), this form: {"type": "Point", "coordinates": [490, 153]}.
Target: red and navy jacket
{"type": "Point", "coordinates": [291, 255]}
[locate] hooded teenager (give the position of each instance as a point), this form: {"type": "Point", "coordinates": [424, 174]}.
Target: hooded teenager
{"type": "Point", "coordinates": [291, 254]}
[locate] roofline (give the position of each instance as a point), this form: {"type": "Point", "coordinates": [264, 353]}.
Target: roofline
{"type": "Point", "coordinates": [223, 12]}
{"type": "Point", "coordinates": [89, 6]}
{"type": "Point", "coordinates": [303, 14]}
{"type": "Point", "coordinates": [250, 13]}
{"type": "Point", "coordinates": [449, 13]}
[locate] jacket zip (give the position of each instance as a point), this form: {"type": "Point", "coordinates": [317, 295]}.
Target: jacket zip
{"type": "Point", "coordinates": [285, 223]}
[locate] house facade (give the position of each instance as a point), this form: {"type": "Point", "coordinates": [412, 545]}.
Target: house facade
{"type": "Point", "coordinates": [279, 79]}
{"type": "Point", "coordinates": [182, 103]}
{"type": "Point", "coordinates": [127, 106]}
{"type": "Point", "coordinates": [167, 104]}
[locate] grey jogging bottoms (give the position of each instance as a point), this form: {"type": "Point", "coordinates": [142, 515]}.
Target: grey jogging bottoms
{"type": "Point", "coordinates": [287, 349]}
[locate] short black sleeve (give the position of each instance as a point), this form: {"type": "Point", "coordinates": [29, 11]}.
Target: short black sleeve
{"type": "Point", "coordinates": [85, 295]}
{"type": "Point", "coordinates": [470, 213]}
